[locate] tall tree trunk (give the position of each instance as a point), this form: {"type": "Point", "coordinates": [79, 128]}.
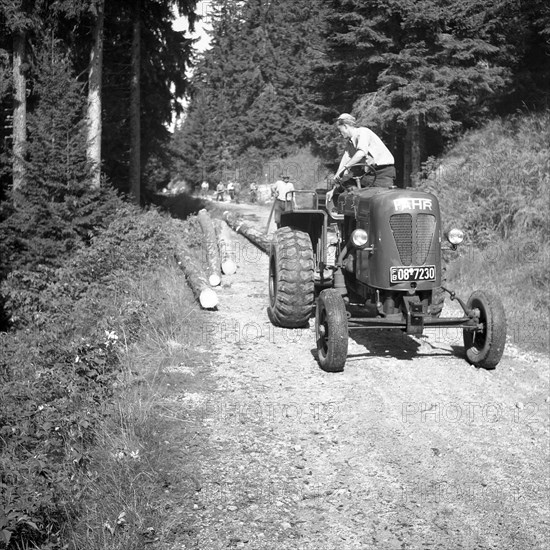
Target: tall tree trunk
{"type": "Point", "coordinates": [414, 146]}
{"type": "Point", "coordinates": [94, 98]}
{"type": "Point", "coordinates": [135, 107]}
{"type": "Point", "coordinates": [19, 110]}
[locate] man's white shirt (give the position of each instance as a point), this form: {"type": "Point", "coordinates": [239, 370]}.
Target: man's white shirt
{"type": "Point", "coordinates": [367, 141]}
{"type": "Point", "coordinates": [281, 188]}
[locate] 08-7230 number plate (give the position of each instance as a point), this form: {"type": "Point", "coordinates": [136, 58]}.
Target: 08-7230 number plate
{"type": "Point", "coordinates": [405, 274]}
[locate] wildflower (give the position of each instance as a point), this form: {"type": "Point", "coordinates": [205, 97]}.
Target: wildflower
{"type": "Point", "coordinates": [134, 455]}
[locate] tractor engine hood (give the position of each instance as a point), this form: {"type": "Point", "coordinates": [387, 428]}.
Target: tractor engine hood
{"type": "Point", "coordinates": [404, 244]}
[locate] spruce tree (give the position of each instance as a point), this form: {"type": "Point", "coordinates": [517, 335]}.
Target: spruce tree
{"type": "Point", "coordinates": [427, 69]}
{"type": "Point", "coordinates": [254, 85]}
{"type": "Point", "coordinates": [53, 211]}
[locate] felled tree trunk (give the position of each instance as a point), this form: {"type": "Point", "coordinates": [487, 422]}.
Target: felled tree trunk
{"type": "Point", "coordinates": [256, 237]}
{"type": "Point", "coordinates": [210, 247]}
{"type": "Point", "coordinates": [228, 255]}
{"type": "Point", "coordinates": [207, 298]}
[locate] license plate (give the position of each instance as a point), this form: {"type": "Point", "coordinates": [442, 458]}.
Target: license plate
{"type": "Point", "coordinates": [405, 274]}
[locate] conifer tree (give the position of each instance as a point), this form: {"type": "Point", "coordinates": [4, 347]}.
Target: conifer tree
{"type": "Point", "coordinates": [421, 70]}
{"type": "Point", "coordinates": [253, 83]}
{"type": "Point", "coordinates": [93, 114]}
{"type": "Point", "coordinates": [165, 57]}
{"type": "Point", "coordinates": [50, 218]}
{"type": "Point", "coordinates": [18, 20]}
{"type": "Point", "coordinates": [135, 104]}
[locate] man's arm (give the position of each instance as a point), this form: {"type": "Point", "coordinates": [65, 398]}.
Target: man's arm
{"type": "Point", "coordinates": [359, 156]}
{"type": "Point", "coordinates": [350, 160]}
{"type": "Point", "coordinates": [343, 162]}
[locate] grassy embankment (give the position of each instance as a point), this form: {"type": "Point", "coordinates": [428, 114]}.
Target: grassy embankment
{"type": "Point", "coordinates": [495, 185]}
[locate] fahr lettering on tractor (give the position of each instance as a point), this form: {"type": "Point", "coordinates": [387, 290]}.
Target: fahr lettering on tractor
{"type": "Point", "coordinates": [373, 263]}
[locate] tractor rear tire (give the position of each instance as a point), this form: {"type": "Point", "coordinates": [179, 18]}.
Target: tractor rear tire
{"type": "Point", "coordinates": [291, 279]}
{"type": "Point", "coordinates": [331, 330]}
{"type": "Point", "coordinates": [484, 348]}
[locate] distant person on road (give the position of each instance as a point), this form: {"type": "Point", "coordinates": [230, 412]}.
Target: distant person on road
{"type": "Point", "coordinates": [231, 190]}
{"type": "Point", "coordinates": [204, 189]}
{"type": "Point", "coordinates": [283, 192]}
{"type": "Point", "coordinates": [220, 191]}
{"type": "Point", "coordinates": [253, 188]}
{"type": "Point", "coordinates": [365, 159]}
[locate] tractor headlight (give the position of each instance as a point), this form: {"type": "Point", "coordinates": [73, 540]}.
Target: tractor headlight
{"type": "Point", "coordinates": [359, 238]}
{"type": "Point", "coordinates": [455, 236]}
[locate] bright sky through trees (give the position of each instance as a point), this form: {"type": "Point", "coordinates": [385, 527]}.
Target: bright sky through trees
{"type": "Point", "coordinates": [201, 28]}
{"type": "Point", "coordinates": [181, 24]}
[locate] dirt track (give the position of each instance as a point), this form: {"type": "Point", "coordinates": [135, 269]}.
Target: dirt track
{"type": "Point", "coordinates": [410, 447]}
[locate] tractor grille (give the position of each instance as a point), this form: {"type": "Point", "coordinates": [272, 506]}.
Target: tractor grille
{"type": "Point", "coordinates": [425, 227]}
{"type": "Point", "coordinates": [413, 247]}
{"type": "Point", "coordinates": [401, 225]}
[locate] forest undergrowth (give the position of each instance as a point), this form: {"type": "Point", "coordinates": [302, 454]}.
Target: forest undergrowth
{"type": "Point", "coordinates": [81, 460]}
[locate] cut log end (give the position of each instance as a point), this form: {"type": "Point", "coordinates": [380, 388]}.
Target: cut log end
{"type": "Point", "coordinates": [214, 279]}
{"type": "Point", "coordinates": [208, 298]}
{"type": "Point", "coordinates": [229, 267]}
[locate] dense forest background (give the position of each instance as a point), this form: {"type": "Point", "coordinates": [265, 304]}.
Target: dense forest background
{"type": "Point", "coordinates": [420, 72]}
{"type": "Point", "coordinates": [87, 91]}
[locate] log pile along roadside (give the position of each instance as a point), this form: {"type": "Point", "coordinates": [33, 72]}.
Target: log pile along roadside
{"type": "Point", "coordinates": [197, 282]}
{"type": "Point", "coordinates": [211, 248]}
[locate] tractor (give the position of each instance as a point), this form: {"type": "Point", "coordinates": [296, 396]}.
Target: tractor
{"type": "Point", "coordinates": [373, 262]}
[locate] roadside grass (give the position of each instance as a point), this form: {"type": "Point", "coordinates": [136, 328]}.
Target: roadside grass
{"type": "Point", "coordinates": [133, 463]}
{"type": "Point", "coordinates": [83, 463]}
{"type": "Point", "coordinates": [517, 271]}
{"type": "Point", "coordinates": [495, 185]}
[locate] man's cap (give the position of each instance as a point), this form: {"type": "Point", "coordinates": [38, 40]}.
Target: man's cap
{"type": "Point", "coordinates": [346, 118]}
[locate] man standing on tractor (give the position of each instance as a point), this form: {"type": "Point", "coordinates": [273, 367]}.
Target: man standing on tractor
{"type": "Point", "coordinates": [366, 159]}
{"type": "Point", "coordinates": [282, 192]}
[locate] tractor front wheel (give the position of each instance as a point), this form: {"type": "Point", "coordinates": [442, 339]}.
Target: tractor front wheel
{"type": "Point", "coordinates": [331, 330]}
{"type": "Point", "coordinates": [484, 348]}
{"type": "Point", "coordinates": [291, 284]}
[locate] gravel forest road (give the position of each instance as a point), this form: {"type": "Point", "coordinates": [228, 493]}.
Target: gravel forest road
{"type": "Point", "coordinates": [409, 448]}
